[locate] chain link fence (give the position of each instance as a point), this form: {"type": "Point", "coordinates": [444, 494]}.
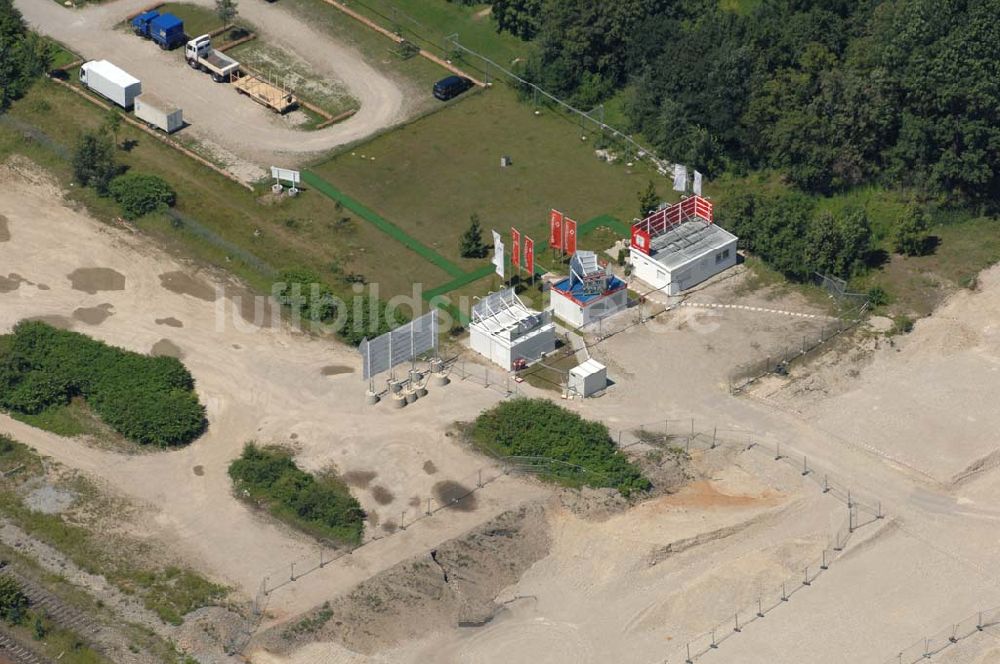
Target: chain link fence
{"type": "Point", "coordinates": [811, 345]}
{"type": "Point", "coordinates": [690, 434]}
{"type": "Point", "coordinates": [930, 646]}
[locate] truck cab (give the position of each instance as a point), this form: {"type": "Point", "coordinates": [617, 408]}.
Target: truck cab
{"type": "Point", "coordinates": [140, 24]}
{"type": "Point", "coordinates": [200, 55]}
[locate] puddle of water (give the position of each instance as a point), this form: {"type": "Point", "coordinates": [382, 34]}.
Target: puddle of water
{"type": "Point", "coordinates": [95, 279]}
{"type": "Point", "coordinates": [169, 322]}
{"type": "Point", "coordinates": [199, 470]}
{"type": "Point", "coordinates": [184, 284]}
{"type": "Point", "coordinates": [254, 309]}
{"type": "Point", "coordinates": [4, 229]}
{"type": "Point", "coordinates": [166, 348]}
{"type": "Point", "coordinates": [93, 315]}
{"type": "Point", "coordinates": [454, 494]}
{"type": "Point", "coordinates": [42, 287]}
{"type": "Point", "coordinates": [429, 467]}
{"type": "Point", "coordinates": [335, 370]}
{"type": "Point", "coordinates": [359, 479]}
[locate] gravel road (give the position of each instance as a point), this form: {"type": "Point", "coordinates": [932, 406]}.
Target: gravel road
{"type": "Point", "coordinates": [237, 130]}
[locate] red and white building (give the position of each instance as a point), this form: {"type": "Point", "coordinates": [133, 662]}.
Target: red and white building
{"type": "Point", "coordinates": [680, 246]}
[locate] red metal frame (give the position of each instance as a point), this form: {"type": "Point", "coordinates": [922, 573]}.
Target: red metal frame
{"type": "Point", "coordinates": [663, 220]}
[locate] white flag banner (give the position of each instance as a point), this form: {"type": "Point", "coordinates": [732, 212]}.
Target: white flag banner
{"type": "Point", "coordinates": [697, 183]}
{"type": "Point", "coordinates": [498, 253]}
{"type": "Point", "coordinates": [680, 177]}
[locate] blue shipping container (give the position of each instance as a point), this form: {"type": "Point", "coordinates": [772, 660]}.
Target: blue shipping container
{"type": "Point", "coordinates": [167, 30]}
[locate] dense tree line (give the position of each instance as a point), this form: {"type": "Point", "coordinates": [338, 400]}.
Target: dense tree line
{"type": "Point", "coordinates": [540, 428]}
{"type": "Point", "coordinates": [149, 400]}
{"type": "Point", "coordinates": [320, 505]}
{"type": "Point", "coordinates": [831, 92]}
{"type": "Point", "coordinates": [24, 56]}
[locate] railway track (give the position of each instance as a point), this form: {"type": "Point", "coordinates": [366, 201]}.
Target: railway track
{"type": "Point", "coordinates": [13, 652]}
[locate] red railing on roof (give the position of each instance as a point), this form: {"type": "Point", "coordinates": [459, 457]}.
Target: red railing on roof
{"type": "Point", "coordinates": [663, 220]}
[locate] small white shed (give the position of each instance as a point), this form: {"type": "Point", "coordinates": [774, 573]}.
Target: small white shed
{"type": "Point", "coordinates": [588, 378]}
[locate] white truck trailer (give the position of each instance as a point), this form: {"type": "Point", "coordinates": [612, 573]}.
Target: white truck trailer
{"type": "Point", "coordinates": [158, 113]}
{"type": "Point", "coordinates": [200, 55]}
{"type": "Point", "coordinates": [110, 82]}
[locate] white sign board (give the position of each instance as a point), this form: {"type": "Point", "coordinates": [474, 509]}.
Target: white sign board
{"type": "Point", "coordinates": [286, 174]}
{"type": "Point", "coordinates": [498, 258]}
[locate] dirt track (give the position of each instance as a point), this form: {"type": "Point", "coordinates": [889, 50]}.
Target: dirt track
{"type": "Point", "coordinates": [241, 132]}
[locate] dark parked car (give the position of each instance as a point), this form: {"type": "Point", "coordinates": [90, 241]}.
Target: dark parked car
{"type": "Point", "coordinates": [450, 87]}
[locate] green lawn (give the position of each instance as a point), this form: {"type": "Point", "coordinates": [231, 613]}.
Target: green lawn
{"type": "Point", "coordinates": [428, 24]}
{"type": "Point", "coordinates": [430, 176]}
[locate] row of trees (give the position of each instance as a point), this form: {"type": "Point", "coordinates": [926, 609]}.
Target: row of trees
{"type": "Point", "coordinates": [320, 505]}
{"type": "Point", "coordinates": [24, 56]}
{"type": "Point", "coordinates": [540, 428]}
{"type": "Point", "coordinates": [150, 400]}
{"type": "Point", "coordinates": [834, 93]}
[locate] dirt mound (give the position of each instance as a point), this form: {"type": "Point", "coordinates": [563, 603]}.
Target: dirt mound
{"type": "Point", "coordinates": [453, 585]}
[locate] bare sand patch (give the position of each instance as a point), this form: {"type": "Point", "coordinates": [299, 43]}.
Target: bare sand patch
{"type": "Point", "coordinates": [359, 479]}
{"type": "Point", "coordinates": [336, 370]}
{"type": "Point", "coordinates": [458, 496]}
{"type": "Point", "coordinates": [93, 280]}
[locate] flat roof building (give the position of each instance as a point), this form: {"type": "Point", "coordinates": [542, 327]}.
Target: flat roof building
{"type": "Point", "coordinates": [679, 246]}
{"type": "Point", "coordinates": [589, 293]}
{"type": "Point", "coordinates": [504, 330]}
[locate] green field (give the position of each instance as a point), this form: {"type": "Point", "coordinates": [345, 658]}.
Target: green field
{"type": "Point", "coordinates": [430, 176]}
{"type": "Point", "coordinates": [429, 24]}
{"type": "Point", "coordinates": [197, 20]}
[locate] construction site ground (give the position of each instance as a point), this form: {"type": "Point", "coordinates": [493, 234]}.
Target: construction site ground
{"type": "Point", "coordinates": [593, 586]}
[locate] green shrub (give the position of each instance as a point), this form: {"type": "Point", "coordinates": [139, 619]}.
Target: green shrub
{"type": "Point", "coordinates": [139, 194]}
{"type": "Point", "coordinates": [150, 400]}
{"type": "Point", "coordinates": [94, 163]}
{"type": "Point", "coordinates": [321, 505]}
{"type": "Point", "coordinates": [13, 602]}
{"type": "Point", "coordinates": [540, 428]}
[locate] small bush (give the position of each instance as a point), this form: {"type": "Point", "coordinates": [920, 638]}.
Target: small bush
{"type": "Point", "coordinates": [320, 505]}
{"type": "Point", "coordinates": [139, 194]}
{"type": "Point", "coordinates": [540, 428]}
{"type": "Point", "coordinates": [13, 602]}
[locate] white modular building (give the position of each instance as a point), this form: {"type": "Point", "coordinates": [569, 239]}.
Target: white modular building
{"type": "Point", "coordinates": [589, 293]}
{"type": "Point", "coordinates": [504, 330]}
{"type": "Point", "coordinates": [679, 246]}
{"type": "Point", "coordinates": [588, 378]}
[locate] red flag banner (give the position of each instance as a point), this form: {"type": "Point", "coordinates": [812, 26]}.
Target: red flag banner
{"type": "Point", "coordinates": [640, 239]}
{"type": "Point", "coordinates": [556, 229]}
{"type": "Point", "coordinates": [570, 243]}
{"type": "Point", "coordinates": [515, 252]}
{"type": "Point", "coordinates": [529, 255]}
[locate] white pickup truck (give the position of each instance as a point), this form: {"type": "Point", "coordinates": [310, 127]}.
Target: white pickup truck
{"type": "Point", "coordinates": [200, 55]}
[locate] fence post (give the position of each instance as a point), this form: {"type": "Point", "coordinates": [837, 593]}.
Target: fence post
{"type": "Point", "coordinates": [293, 572]}
{"type": "Point", "coordinates": [954, 634]}
{"type": "Point", "coordinates": [479, 483]}
{"type": "Point", "coordinates": [692, 426]}
{"type": "Point", "coordinates": [806, 581]}
{"type": "Point", "coordinates": [826, 484]}
{"type": "Point", "coordinates": [777, 451]}
{"type": "Point", "coordinates": [760, 608]}
{"type": "Point", "coordinates": [715, 433]}
{"type": "Point", "coordinates": [823, 564]}
{"type": "Point", "coordinates": [736, 620]}
{"type": "Point", "coordinates": [429, 507]}
{"type": "Point", "coordinates": [805, 466]}
{"type": "Point", "coordinates": [979, 622]}
{"type": "Point", "coordinates": [784, 595]}
{"type": "Point", "coordinates": [402, 520]}
{"type": "Point", "coordinates": [688, 660]}
{"type": "Point", "coordinates": [714, 643]}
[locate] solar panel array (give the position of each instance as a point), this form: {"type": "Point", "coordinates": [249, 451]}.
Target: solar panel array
{"type": "Point", "coordinates": [405, 343]}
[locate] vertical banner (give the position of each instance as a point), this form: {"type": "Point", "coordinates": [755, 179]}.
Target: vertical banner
{"type": "Point", "coordinates": [680, 177]}
{"type": "Point", "coordinates": [515, 250]}
{"type": "Point", "coordinates": [529, 255]}
{"type": "Point", "coordinates": [570, 243]}
{"type": "Point", "coordinates": [697, 183]}
{"type": "Point", "coordinates": [555, 229]}
{"type": "Point", "coordinates": [498, 253]}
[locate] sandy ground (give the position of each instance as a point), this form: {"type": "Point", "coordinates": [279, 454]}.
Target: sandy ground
{"type": "Point", "coordinates": [595, 596]}
{"type": "Point", "coordinates": [248, 136]}
{"type": "Point", "coordinates": [264, 384]}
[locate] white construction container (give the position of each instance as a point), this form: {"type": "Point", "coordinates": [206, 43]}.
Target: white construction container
{"type": "Point", "coordinates": [158, 113]}
{"type": "Point", "coordinates": [588, 378]}
{"type": "Point", "coordinates": [111, 82]}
